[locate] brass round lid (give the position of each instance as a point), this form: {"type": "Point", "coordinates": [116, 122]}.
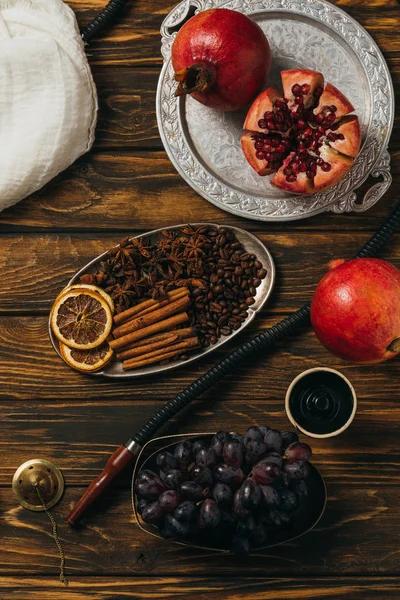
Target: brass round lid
{"type": "Point", "coordinates": [38, 473]}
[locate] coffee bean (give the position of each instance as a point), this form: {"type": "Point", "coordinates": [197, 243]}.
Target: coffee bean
{"type": "Point", "coordinates": [261, 273]}
{"type": "Point", "coordinates": [226, 330]}
{"type": "Point", "coordinates": [252, 291]}
{"type": "Point", "coordinates": [258, 264]}
{"type": "Point", "coordinates": [250, 300]}
{"type": "Point", "coordinates": [256, 282]}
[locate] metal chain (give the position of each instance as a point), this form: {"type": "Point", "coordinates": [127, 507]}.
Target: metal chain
{"type": "Point", "coordinates": [63, 578]}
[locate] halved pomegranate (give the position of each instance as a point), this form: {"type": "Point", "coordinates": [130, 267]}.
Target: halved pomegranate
{"type": "Point", "coordinates": [307, 136]}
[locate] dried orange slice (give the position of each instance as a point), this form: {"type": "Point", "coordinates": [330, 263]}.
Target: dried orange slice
{"type": "Point", "coordinates": [81, 319]}
{"type": "Point", "coordinates": [88, 361]}
{"type": "Point", "coordinates": [93, 288]}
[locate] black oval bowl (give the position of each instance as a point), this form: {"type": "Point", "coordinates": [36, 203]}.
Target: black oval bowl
{"type": "Point", "coordinates": [305, 517]}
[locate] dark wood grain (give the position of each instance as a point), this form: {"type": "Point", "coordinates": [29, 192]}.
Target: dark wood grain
{"type": "Point", "coordinates": [125, 186]}
{"type": "Point", "coordinates": [115, 588]}
{"type": "Point", "coordinates": [355, 536]}
{"type": "Point", "coordinates": [31, 285]}
{"type": "Point", "coordinates": [137, 190]}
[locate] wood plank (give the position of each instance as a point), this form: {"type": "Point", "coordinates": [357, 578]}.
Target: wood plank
{"type": "Point", "coordinates": [135, 39]}
{"type": "Point", "coordinates": [32, 284]}
{"type": "Point", "coordinates": [357, 535]}
{"type": "Point", "coordinates": [117, 588]}
{"type": "Point", "coordinates": [79, 435]}
{"type": "Point", "coordinates": [30, 368]}
{"type": "Point", "coordinates": [137, 190]}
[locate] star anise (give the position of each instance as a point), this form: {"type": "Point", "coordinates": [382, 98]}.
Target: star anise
{"type": "Point", "coordinates": [122, 296]}
{"type": "Point", "coordinates": [194, 247]}
{"type": "Point", "coordinates": [142, 246]}
{"type": "Point", "coordinates": [176, 259]}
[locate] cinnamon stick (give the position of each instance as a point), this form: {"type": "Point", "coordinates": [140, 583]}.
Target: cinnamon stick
{"type": "Point", "coordinates": [161, 354]}
{"type": "Point", "coordinates": [180, 334]}
{"type": "Point", "coordinates": [164, 325]}
{"type": "Point", "coordinates": [161, 303]}
{"type": "Point", "coordinates": [157, 315]}
{"type": "Point", "coordinates": [170, 339]}
{"type": "Point", "coordinates": [126, 315]}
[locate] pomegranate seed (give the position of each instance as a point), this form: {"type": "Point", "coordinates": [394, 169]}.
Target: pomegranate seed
{"type": "Point", "coordinates": [320, 118]}
{"type": "Point", "coordinates": [259, 145]}
{"type": "Point", "coordinates": [332, 137]}
{"type": "Point", "coordinates": [308, 141]}
{"type": "Point", "coordinates": [301, 125]}
{"type": "Point", "coordinates": [333, 108]}
{"type": "Point", "coordinates": [326, 167]}
{"type": "Point", "coordinates": [305, 88]}
{"type": "Point", "coordinates": [268, 155]}
{"type": "Point", "coordinates": [317, 134]}
{"type": "Point", "coordinates": [295, 168]}
{"type": "Point", "coordinates": [287, 171]}
{"type": "Point", "coordinates": [296, 89]}
{"type": "Point", "coordinates": [268, 115]}
{"type": "Point", "coordinates": [295, 116]}
{"type": "Point", "coordinates": [274, 142]}
{"type": "Point", "coordinates": [260, 155]}
{"type": "Point", "coordinates": [321, 129]}
{"type": "Point", "coordinates": [291, 178]}
{"type": "Point", "coordinates": [340, 136]}
{"type": "Point", "coordinates": [270, 125]}
{"type": "Point", "coordinates": [307, 132]}
{"type": "Point", "coordinates": [318, 92]}
{"type": "Point", "coordinates": [267, 147]}
{"type": "Point", "coordinates": [330, 118]}
{"type": "Point", "coordinates": [285, 126]}
{"type": "Point", "coordinates": [280, 148]}
{"type": "Point", "coordinates": [310, 174]}
{"type": "Point", "coordinates": [313, 146]}
{"type": "Point", "coordinates": [320, 161]}
{"type": "Point", "coordinates": [299, 100]}
{"type": "Point", "coordinates": [262, 123]}
{"type": "Point", "coordinates": [302, 166]}
{"type": "Point", "coordinates": [282, 105]}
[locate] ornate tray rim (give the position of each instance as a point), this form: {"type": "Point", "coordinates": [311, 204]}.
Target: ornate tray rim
{"type": "Point", "coordinates": [264, 292]}
{"type": "Point", "coordinates": [374, 159]}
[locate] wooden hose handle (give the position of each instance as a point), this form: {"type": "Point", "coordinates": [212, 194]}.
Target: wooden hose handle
{"type": "Point", "coordinates": [121, 458]}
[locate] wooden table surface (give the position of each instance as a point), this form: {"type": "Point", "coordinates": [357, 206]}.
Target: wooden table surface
{"type": "Point", "coordinates": [127, 185]}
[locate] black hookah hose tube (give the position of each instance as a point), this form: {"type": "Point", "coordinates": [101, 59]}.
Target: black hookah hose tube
{"type": "Point", "coordinates": [105, 19]}
{"type": "Point", "coordinates": [265, 340]}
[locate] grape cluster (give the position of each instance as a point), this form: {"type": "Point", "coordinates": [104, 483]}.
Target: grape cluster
{"type": "Point", "coordinates": [232, 492]}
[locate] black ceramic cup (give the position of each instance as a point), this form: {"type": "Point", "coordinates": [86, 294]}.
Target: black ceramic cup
{"type": "Point", "coordinates": [321, 402]}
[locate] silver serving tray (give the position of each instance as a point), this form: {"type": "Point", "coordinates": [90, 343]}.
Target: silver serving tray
{"type": "Point", "coordinates": [204, 144]}
{"type": "Point", "coordinates": [252, 245]}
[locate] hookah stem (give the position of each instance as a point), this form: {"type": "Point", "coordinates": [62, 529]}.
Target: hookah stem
{"type": "Point", "coordinates": [128, 452]}
{"type": "Point", "coordinates": [106, 18]}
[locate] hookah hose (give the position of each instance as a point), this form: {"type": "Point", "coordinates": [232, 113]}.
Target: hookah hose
{"type": "Point", "coordinates": [106, 18]}
{"type": "Point", "coordinates": [265, 340]}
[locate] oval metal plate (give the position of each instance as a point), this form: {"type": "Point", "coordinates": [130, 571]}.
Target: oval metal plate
{"type": "Point", "coordinates": [250, 242]}
{"type": "Point", "coordinates": [204, 144]}
{"type": "Point", "coordinates": [305, 518]}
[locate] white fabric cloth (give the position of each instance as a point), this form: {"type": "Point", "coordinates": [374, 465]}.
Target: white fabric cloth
{"type": "Point", "coordinates": [48, 100]}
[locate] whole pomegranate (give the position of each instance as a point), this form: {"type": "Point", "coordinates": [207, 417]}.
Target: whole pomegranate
{"type": "Point", "coordinates": [307, 134]}
{"type": "Point", "coordinates": [222, 58]}
{"type": "Point", "coordinates": [355, 310]}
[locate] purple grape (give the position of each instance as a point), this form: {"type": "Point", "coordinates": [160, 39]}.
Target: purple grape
{"type": "Point", "coordinates": [272, 520]}
{"type": "Point", "coordinates": [240, 545]}
{"type": "Point", "coordinates": [296, 470]}
{"type": "Point", "coordinates": [172, 479]}
{"type": "Point", "coordinates": [222, 494]}
{"type": "Point", "coordinates": [218, 441]}
{"type": "Point", "coordinates": [141, 505]}
{"type": "Point", "coordinates": [238, 437]}
{"type": "Point", "coordinates": [259, 535]}
{"type": "Point", "coordinates": [265, 472]}
{"type": "Point", "coordinates": [270, 496]}
{"type": "Point", "coordinates": [274, 458]}
{"type": "Point", "coordinates": [206, 458]}
{"type": "Point", "coordinates": [210, 513]}
{"type": "Point", "coordinates": [299, 487]}
{"type": "Point", "coordinates": [183, 454]}
{"type": "Point", "coordinates": [298, 452]}
{"type": "Point", "coordinates": [250, 494]}
{"type": "Point", "coordinates": [273, 439]}
{"type": "Point", "coordinates": [288, 500]}
{"type": "Point", "coordinates": [253, 434]}
{"type": "Point", "coordinates": [148, 485]}
{"type": "Point", "coordinates": [255, 450]}
{"type": "Point", "coordinates": [165, 461]}
{"type": "Point", "coordinates": [202, 476]}
{"type": "Point", "coordinates": [285, 517]}
{"type": "Point", "coordinates": [238, 509]}
{"type": "Point", "coordinates": [246, 526]}
{"type": "Point", "coordinates": [233, 453]}
{"type": "Point", "coordinates": [191, 490]}
{"type": "Point", "coordinates": [264, 429]}
{"type": "Point", "coordinates": [199, 445]}
{"type": "Point", "coordinates": [185, 511]}
{"type": "Point", "coordinates": [289, 437]}
{"type": "Point", "coordinates": [233, 476]}
{"type": "Point", "coordinates": [152, 513]}
{"type": "Point", "coordinates": [177, 528]}
{"type": "Point", "coordinates": [169, 500]}
{"type": "Point", "coordinates": [166, 530]}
